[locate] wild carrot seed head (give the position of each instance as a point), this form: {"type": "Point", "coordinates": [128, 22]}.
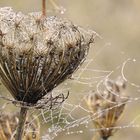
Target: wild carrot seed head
{"type": "Point", "coordinates": [38, 52]}
{"type": "Point", "coordinates": [107, 106]}
{"type": "Point", "coordinates": [8, 125]}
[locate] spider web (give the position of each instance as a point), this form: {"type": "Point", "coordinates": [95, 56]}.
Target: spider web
{"type": "Point", "coordinates": [66, 115]}
{"type": "Point", "coordinates": [74, 118]}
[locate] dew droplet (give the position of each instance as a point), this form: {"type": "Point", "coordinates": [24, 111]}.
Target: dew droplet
{"type": "Point", "coordinates": [62, 10]}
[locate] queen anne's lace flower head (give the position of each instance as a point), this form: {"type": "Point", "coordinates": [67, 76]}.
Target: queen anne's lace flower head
{"type": "Point", "coordinates": [8, 124]}
{"type": "Point", "coordinates": [107, 107]}
{"type": "Point", "coordinates": [37, 53]}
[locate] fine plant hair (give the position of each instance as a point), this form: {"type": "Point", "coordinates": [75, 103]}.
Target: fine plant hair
{"type": "Point", "coordinates": [37, 54]}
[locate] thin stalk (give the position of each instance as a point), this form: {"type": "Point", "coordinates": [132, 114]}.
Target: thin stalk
{"type": "Point", "coordinates": [43, 7]}
{"type": "Point", "coordinates": [105, 138]}
{"type": "Point", "coordinates": [54, 4]}
{"type": "Point", "coordinates": [22, 120]}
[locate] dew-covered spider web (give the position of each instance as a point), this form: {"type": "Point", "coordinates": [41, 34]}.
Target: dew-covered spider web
{"type": "Point", "coordinates": [72, 117]}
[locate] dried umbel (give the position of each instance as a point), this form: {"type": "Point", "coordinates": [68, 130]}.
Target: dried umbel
{"type": "Point", "coordinates": [8, 124]}
{"type": "Point", "coordinates": [37, 53]}
{"type": "Point", "coordinates": [107, 107]}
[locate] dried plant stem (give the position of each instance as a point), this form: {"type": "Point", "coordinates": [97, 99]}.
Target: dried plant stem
{"type": "Point", "coordinates": [43, 7]}
{"type": "Point", "coordinates": [105, 138]}
{"type": "Point", "coordinates": [22, 119]}
{"type": "Point", "coordinates": [54, 4]}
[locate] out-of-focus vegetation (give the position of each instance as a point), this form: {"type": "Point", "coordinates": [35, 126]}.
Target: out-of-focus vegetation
{"type": "Point", "coordinates": [117, 21]}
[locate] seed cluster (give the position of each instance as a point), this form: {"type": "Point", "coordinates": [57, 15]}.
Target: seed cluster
{"type": "Point", "coordinates": [8, 124]}
{"type": "Point", "coordinates": [107, 107]}
{"type": "Point", "coordinates": [37, 53]}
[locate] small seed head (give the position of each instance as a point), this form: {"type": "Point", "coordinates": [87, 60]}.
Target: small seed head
{"type": "Point", "coordinates": [107, 107]}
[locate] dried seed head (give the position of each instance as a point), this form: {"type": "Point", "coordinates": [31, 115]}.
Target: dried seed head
{"type": "Point", "coordinates": [8, 124]}
{"type": "Point", "coordinates": [107, 107]}
{"type": "Point", "coordinates": [38, 53]}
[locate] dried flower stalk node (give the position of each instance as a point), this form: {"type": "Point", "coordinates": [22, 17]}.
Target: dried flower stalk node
{"type": "Point", "coordinates": [37, 53]}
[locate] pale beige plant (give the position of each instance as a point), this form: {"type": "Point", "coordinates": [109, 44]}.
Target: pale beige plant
{"type": "Point", "coordinates": [107, 107]}
{"type": "Point", "coordinates": [9, 122]}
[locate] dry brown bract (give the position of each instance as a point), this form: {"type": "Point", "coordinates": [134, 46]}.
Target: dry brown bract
{"type": "Point", "coordinates": [8, 124]}
{"type": "Point", "coordinates": [107, 107]}
{"type": "Point", "coordinates": [38, 53]}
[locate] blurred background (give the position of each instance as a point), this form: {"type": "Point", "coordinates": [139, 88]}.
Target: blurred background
{"type": "Point", "coordinates": [117, 22]}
